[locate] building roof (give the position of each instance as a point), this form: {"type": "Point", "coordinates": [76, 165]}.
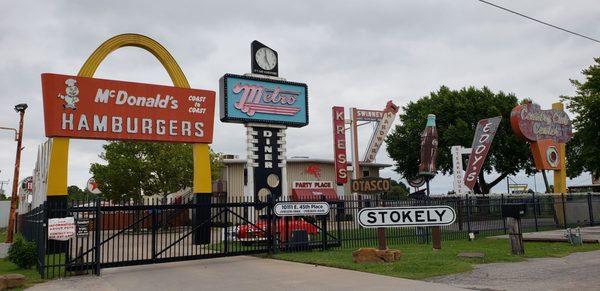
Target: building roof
{"type": "Point", "coordinates": [308, 160]}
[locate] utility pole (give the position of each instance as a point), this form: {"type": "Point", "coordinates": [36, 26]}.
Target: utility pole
{"type": "Point", "coordinates": [20, 108]}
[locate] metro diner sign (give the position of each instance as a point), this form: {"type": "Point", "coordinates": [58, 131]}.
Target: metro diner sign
{"type": "Point", "coordinates": [249, 99]}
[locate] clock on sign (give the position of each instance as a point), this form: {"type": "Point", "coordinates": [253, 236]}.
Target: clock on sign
{"type": "Point", "coordinates": [264, 59]}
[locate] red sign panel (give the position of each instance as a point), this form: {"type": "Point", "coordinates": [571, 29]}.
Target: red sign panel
{"type": "Point", "coordinates": [532, 123]}
{"type": "Point", "coordinates": [544, 130]}
{"type": "Point", "coordinates": [79, 107]}
{"type": "Point", "coordinates": [339, 145]}
{"type": "Point", "coordinates": [482, 141]}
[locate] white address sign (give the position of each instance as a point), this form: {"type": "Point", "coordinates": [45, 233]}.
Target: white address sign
{"type": "Point", "coordinates": [406, 216]}
{"type": "Point", "coordinates": [301, 208]}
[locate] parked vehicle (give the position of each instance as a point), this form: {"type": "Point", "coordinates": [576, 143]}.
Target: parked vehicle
{"type": "Point", "coordinates": [249, 233]}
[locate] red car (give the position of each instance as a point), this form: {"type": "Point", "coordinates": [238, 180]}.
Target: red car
{"type": "Point", "coordinates": [258, 231]}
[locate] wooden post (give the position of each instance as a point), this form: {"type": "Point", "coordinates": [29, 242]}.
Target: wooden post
{"type": "Point", "coordinates": [436, 236]}
{"type": "Point", "coordinates": [381, 238]}
{"type": "Point", "coordinates": [381, 241]}
{"type": "Point", "coordinates": [515, 236]}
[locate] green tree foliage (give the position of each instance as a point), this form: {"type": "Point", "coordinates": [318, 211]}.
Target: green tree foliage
{"type": "Point", "coordinates": [136, 168]}
{"type": "Point", "coordinates": [398, 191]}
{"type": "Point", "coordinates": [76, 193]}
{"type": "Point", "coordinates": [583, 151]}
{"type": "Point", "coordinates": [457, 113]}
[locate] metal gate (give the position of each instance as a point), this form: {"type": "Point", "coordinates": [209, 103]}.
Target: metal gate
{"type": "Point", "coordinates": [158, 231]}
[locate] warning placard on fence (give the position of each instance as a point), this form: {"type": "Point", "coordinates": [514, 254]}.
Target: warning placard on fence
{"type": "Point", "coordinates": [61, 228]}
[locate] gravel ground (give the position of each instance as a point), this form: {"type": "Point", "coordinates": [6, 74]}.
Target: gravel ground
{"type": "Point", "coordinates": [577, 271]}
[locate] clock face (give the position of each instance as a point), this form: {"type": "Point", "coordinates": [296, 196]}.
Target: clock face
{"type": "Point", "coordinates": [266, 58]}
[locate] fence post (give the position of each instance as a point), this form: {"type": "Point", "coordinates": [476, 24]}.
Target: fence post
{"type": "Point", "coordinates": [226, 225]}
{"type": "Point", "coordinates": [271, 220]}
{"type": "Point", "coordinates": [154, 226]}
{"type": "Point", "coordinates": [468, 203]}
{"type": "Point", "coordinates": [502, 216]}
{"type": "Point", "coordinates": [324, 230]}
{"type": "Point", "coordinates": [42, 241]}
{"type": "Point", "coordinates": [98, 229]}
{"type": "Point", "coordinates": [590, 208]}
{"type": "Point", "coordinates": [564, 210]}
{"type": "Point", "coordinates": [535, 211]}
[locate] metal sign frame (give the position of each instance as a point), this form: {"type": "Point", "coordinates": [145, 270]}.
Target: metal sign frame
{"type": "Point", "coordinates": [401, 216]}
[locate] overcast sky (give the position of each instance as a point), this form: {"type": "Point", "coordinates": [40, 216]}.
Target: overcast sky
{"type": "Point", "coordinates": [350, 53]}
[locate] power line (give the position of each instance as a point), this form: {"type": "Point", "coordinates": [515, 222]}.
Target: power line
{"type": "Point", "coordinates": [539, 21]}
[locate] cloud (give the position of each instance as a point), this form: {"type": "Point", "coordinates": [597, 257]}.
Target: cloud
{"type": "Point", "coordinates": [350, 53]}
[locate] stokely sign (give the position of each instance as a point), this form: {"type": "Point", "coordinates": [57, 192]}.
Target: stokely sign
{"type": "Point", "coordinates": [406, 216]}
{"type": "Point", "coordinates": [248, 99]}
{"type": "Point", "coordinates": [79, 107]}
{"type": "Point", "coordinates": [339, 145]}
{"type": "Point", "coordinates": [371, 185]}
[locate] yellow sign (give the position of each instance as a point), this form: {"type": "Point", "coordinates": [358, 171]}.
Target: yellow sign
{"type": "Point", "coordinates": [59, 156]}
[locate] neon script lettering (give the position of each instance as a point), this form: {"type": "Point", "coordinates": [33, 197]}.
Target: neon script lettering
{"type": "Point", "coordinates": [259, 99]}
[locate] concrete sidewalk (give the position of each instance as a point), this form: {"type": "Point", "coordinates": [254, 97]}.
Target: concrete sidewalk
{"type": "Point", "coordinates": [590, 234]}
{"type": "Point", "coordinates": [236, 273]}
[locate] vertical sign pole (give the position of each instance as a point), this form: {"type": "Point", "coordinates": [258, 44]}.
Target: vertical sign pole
{"type": "Point", "coordinates": [354, 132]}
{"type": "Point", "coordinates": [283, 162]}
{"type": "Point", "coordinates": [14, 199]}
{"type": "Point", "coordinates": [560, 176]}
{"type": "Point", "coordinates": [436, 233]}
{"type": "Point", "coordinates": [250, 165]}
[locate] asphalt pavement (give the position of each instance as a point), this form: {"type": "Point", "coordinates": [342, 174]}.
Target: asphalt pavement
{"type": "Point", "coordinates": [577, 271]}
{"type": "Point", "coordinates": [235, 273]}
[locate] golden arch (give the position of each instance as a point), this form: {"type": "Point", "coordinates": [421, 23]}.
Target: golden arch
{"type": "Point", "coordinates": [59, 155]}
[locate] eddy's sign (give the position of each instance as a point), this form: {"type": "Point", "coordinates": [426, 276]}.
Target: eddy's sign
{"type": "Point", "coordinates": [544, 130]}
{"type": "Point", "coordinates": [248, 99]}
{"type": "Point", "coordinates": [482, 141]}
{"type": "Point", "coordinates": [79, 107]}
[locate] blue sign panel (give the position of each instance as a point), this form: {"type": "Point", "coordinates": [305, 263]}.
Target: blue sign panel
{"type": "Point", "coordinates": [249, 99]}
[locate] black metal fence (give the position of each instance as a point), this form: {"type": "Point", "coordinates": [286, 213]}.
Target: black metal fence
{"type": "Point", "coordinates": [110, 234]}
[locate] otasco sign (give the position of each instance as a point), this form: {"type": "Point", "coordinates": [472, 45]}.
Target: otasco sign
{"type": "Point", "coordinates": [80, 107]}
{"type": "Point", "coordinates": [371, 185]}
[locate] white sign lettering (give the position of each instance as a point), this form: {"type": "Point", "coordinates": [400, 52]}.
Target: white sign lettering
{"type": "Point", "coordinates": [301, 208]}
{"type": "Point", "coordinates": [61, 228]}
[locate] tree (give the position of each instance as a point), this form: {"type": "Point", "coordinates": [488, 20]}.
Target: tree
{"type": "Point", "coordinates": [457, 113]}
{"type": "Point", "coordinates": [583, 151]}
{"type": "Point", "coordinates": [76, 193]}
{"type": "Point", "coordinates": [397, 191]}
{"type": "Point", "coordinates": [136, 168]}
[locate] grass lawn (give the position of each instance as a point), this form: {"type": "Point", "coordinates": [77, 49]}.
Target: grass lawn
{"type": "Point", "coordinates": [6, 267]}
{"type": "Point", "coordinates": [419, 261]}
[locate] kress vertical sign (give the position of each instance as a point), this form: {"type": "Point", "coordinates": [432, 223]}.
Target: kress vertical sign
{"type": "Point", "coordinates": [339, 145]}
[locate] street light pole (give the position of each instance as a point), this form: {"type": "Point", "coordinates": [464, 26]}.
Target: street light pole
{"type": "Point", "coordinates": [20, 108]}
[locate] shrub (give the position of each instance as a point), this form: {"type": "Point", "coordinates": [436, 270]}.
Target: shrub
{"type": "Point", "coordinates": [22, 253]}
